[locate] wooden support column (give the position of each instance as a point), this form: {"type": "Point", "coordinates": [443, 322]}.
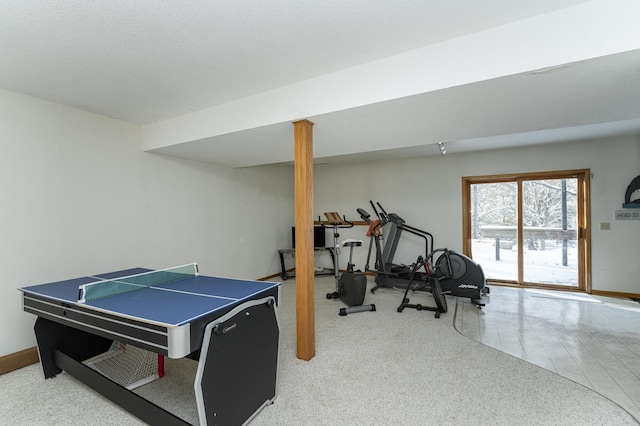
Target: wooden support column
{"type": "Point", "coordinates": [303, 181]}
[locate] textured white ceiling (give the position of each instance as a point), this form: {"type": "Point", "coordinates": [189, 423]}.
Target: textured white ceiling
{"type": "Point", "coordinates": [148, 61]}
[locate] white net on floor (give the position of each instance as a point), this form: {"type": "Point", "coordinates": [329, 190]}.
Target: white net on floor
{"type": "Point", "coordinates": [127, 365]}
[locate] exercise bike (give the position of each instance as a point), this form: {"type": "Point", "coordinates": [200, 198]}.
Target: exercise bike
{"type": "Point", "coordinates": [351, 286]}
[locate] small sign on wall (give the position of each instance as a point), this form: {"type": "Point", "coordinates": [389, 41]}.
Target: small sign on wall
{"type": "Point", "coordinates": [628, 214]}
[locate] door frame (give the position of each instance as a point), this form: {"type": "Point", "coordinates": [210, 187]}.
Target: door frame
{"type": "Point", "coordinates": [584, 221]}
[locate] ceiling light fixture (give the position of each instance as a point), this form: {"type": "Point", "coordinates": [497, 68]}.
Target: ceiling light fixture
{"type": "Point", "coordinates": [442, 148]}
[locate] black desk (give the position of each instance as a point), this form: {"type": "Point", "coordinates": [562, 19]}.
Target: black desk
{"type": "Point", "coordinates": [323, 271]}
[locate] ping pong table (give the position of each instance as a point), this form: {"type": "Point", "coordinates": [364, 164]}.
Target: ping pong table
{"type": "Point", "coordinates": [229, 326]}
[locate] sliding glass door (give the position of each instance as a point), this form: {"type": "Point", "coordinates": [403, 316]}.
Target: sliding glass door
{"type": "Point", "coordinates": [529, 229]}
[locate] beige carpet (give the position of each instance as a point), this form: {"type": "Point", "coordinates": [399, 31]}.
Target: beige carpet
{"type": "Point", "coordinates": [382, 368]}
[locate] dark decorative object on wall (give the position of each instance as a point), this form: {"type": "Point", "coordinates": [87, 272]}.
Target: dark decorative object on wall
{"type": "Point", "coordinates": [632, 196]}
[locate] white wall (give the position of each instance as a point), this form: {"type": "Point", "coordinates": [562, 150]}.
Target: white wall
{"type": "Point", "coordinates": [427, 193]}
{"type": "Point", "coordinates": [78, 196]}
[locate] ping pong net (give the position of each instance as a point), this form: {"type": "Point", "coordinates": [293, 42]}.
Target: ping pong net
{"type": "Point", "coordinates": [110, 287]}
{"type": "Point", "coordinates": [128, 365]}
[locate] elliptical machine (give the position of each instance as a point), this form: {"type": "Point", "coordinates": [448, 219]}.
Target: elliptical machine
{"type": "Point", "coordinates": [351, 286]}
{"type": "Point", "coordinates": [389, 274]}
{"type": "Point", "coordinates": [461, 276]}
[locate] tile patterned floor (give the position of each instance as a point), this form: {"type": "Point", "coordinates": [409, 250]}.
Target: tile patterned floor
{"type": "Point", "coordinates": [591, 340]}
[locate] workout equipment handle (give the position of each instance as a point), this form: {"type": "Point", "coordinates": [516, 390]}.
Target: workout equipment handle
{"type": "Point", "coordinates": [382, 216]}
{"type": "Point", "coordinates": [386, 217]}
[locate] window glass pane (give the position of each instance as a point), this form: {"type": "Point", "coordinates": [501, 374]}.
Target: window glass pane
{"type": "Point", "coordinates": [549, 209]}
{"type": "Point", "coordinates": [494, 221]}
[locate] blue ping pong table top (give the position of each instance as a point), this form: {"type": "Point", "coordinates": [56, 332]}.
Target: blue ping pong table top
{"type": "Point", "coordinates": [171, 305]}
